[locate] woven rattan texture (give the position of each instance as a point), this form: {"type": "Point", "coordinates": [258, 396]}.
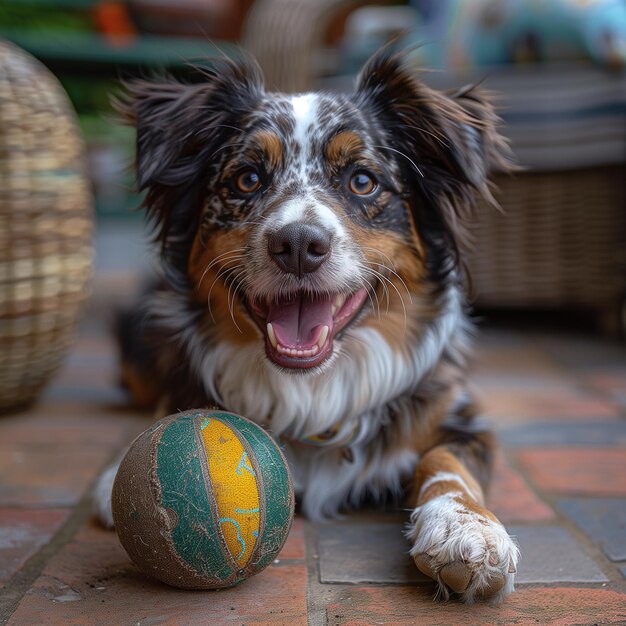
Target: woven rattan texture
{"type": "Point", "coordinates": [560, 241]}
{"type": "Point", "coordinates": [45, 226]}
{"type": "Point", "coordinates": [286, 37]}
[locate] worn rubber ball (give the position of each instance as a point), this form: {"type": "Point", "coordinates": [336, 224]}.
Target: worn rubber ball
{"type": "Point", "coordinates": [203, 500]}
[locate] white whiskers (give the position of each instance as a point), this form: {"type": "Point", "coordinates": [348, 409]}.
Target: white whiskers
{"type": "Point", "coordinates": [235, 252]}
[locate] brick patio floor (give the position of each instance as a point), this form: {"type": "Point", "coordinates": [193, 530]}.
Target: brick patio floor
{"type": "Point", "coordinates": [558, 401]}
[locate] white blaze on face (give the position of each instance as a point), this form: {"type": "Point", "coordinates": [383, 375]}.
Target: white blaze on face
{"type": "Point", "coordinates": [304, 203]}
{"type": "Point", "coordinates": [305, 108]}
{"type": "Point", "coordinates": [302, 208]}
{"type": "Point", "coordinates": [329, 220]}
{"type": "Point", "coordinates": [305, 113]}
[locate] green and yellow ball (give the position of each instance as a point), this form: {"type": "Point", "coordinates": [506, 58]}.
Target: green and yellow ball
{"type": "Point", "coordinates": [203, 500]}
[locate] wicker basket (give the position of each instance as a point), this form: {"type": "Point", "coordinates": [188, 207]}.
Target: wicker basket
{"type": "Point", "coordinates": [560, 241]}
{"type": "Point", "coordinates": [45, 226]}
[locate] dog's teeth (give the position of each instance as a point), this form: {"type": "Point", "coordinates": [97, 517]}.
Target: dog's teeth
{"type": "Point", "coordinates": [297, 353]}
{"type": "Point", "coordinates": [271, 335]}
{"type": "Point", "coordinates": [339, 301]}
{"type": "Point", "coordinates": [322, 338]}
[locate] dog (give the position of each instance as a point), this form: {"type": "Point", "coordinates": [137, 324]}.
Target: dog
{"type": "Point", "coordinates": [312, 256]}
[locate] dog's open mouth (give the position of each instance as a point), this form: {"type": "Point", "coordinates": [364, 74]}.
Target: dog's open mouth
{"type": "Point", "coordinates": [299, 329]}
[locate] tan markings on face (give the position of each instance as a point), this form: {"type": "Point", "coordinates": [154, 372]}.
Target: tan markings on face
{"type": "Point", "coordinates": [264, 148]}
{"type": "Point", "coordinates": [438, 461]}
{"type": "Point", "coordinates": [222, 254]}
{"type": "Point", "coordinates": [269, 143]}
{"type": "Point", "coordinates": [402, 289]}
{"type": "Point", "coordinates": [343, 148]}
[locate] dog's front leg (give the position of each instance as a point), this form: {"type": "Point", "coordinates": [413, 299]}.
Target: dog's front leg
{"type": "Point", "coordinates": [455, 539]}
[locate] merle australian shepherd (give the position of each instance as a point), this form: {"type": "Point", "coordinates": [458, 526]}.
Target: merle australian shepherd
{"type": "Point", "coordinates": [311, 248]}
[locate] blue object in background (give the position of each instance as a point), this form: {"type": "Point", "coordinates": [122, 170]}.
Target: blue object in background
{"type": "Point", "coordinates": [465, 34]}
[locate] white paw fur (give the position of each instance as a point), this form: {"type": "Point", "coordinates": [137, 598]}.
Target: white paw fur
{"type": "Point", "coordinates": [464, 551]}
{"type": "Point", "coordinates": [101, 496]}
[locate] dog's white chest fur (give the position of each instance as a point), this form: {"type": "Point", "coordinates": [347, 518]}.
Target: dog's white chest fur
{"type": "Point", "coordinates": [347, 396]}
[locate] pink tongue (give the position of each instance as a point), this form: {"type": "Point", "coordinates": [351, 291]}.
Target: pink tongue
{"type": "Point", "coordinates": [298, 323]}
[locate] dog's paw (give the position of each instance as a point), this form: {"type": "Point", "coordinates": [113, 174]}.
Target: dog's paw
{"type": "Point", "coordinates": [101, 496]}
{"type": "Point", "coordinates": [464, 548]}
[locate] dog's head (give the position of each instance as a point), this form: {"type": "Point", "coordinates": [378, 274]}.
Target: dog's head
{"type": "Point", "coordinates": [290, 220]}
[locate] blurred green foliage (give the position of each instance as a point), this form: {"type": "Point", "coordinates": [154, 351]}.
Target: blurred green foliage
{"type": "Point", "coordinates": [46, 15]}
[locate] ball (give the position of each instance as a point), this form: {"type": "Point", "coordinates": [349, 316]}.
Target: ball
{"type": "Point", "coordinates": [203, 500]}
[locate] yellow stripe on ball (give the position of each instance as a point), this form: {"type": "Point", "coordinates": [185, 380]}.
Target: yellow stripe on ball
{"type": "Point", "coordinates": [235, 488]}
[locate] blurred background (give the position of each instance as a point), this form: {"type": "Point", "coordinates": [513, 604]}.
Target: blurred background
{"type": "Point", "coordinates": [555, 255]}
{"type": "Point", "coordinates": [548, 289]}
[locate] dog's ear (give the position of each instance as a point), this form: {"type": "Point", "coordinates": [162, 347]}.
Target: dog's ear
{"type": "Point", "coordinates": [447, 144]}
{"type": "Point", "coordinates": [175, 122]}
{"type": "Point", "coordinates": [180, 128]}
{"type": "Point", "coordinates": [456, 132]}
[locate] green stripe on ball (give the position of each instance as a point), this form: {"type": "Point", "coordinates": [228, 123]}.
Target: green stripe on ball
{"type": "Point", "coordinates": [184, 490]}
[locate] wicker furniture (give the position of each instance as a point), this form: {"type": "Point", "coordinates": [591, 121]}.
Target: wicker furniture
{"type": "Point", "coordinates": [45, 226]}
{"type": "Point", "coordinates": [559, 241]}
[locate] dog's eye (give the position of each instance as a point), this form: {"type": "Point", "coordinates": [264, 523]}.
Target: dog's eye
{"type": "Point", "coordinates": [362, 184]}
{"type": "Point", "coordinates": [248, 181]}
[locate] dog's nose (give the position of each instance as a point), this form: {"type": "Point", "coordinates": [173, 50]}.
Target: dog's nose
{"type": "Point", "coordinates": [300, 248]}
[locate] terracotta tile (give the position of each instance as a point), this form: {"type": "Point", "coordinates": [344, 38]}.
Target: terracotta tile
{"type": "Point", "coordinates": [511, 499]}
{"type": "Point", "coordinates": [495, 355]}
{"type": "Point", "coordinates": [577, 470]}
{"type": "Point", "coordinates": [71, 424]}
{"type": "Point", "coordinates": [22, 533]}
{"type": "Point", "coordinates": [513, 405]}
{"type": "Point", "coordinates": [91, 581]}
{"type": "Point", "coordinates": [294, 546]}
{"type": "Point", "coordinates": [404, 606]}
{"type": "Point", "coordinates": [55, 475]}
